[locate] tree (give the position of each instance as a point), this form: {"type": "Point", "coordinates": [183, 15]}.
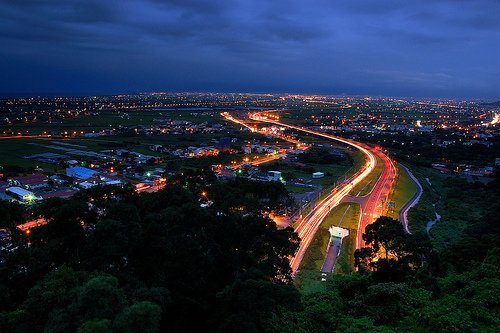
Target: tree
{"type": "Point", "coordinates": [96, 326]}
{"type": "Point", "coordinates": [101, 297]}
{"type": "Point", "coordinates": [400, 253]}
{"type": "Point", "coordinates": [11, 214]}
{"type": "Point", "coordinates": [386, 235]}
{"type": "Point", "coordinates": [139, 317]}
{"type": "Point", "coordinates": [288, 176]}
{"type": "Point", "coordinates": [382, 303]}
{"type": "Point", "coordinates": [151, 260]}
{"type": "Point", "coordinates": [250, 301]}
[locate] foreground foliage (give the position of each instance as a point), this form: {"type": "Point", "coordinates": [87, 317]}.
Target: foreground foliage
{"type": "Point", "coordinates": [405, 285]}
{"type": "Point", "coordinates": [111, 260]}
{"type": "Point", "coordinates": [160, 262]}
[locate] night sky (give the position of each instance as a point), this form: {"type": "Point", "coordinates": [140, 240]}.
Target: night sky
{"type": "Point", "coordinates": [426, 48]}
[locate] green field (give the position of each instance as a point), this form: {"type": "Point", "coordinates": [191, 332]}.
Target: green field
{"type": "Point", "coordinates": [296, 189]}
{"type": "Point", "coordinates": [111, 119]}
{"type": "Point", "coordinates": [359, 159]}
{"type": "Point", "coordinates": [307, 278]}
{"type": "Point", "coordinates": [402, 190]}
{"type": "Point", "coordinates": [13, 150]}
{"type": "Point", "coordinates": [332, 171]}
{"type": "Point", "coordinates": [365, 186]}
{"type": "Point", "coordinates": [299, 116]}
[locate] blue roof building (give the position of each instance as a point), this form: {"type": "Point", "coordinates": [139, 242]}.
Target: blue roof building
{"type": "Point", "coordinates": [80, 172]}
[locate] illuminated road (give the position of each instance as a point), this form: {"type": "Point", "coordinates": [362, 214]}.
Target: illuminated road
{"type": "Point", "coordinates": [374, 203]}
{"type": "Point", "coordinates": [308, 226]}
{"type": "Point", "coordinates": [265, 160]}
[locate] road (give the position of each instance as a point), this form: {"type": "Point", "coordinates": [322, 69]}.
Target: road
{"type": "Point", "coordinates": [403, 211]}
{"type": "Point", "coordinates": [373, 207]}
{"type": "Point", "coordinates": [373, 202]}
{"type": "Point", "coordinates": [308, 226]}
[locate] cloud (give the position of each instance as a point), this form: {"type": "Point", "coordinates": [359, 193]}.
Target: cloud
{"type": "Point", "coordinates": [317, 45]}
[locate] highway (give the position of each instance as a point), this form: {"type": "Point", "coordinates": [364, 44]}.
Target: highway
{"type": "Point", "coordinates": [308, 226]}
{"type": "Point", "coordinates": [372, 205]}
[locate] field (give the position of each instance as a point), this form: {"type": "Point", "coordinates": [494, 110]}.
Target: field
{"type": "Point", "coordinates": [401, 192]}
{"type": "Point", "coordinates": [12, 149]}
{"type": "Point", "coordinates": [333, 172]}
{"type": "Point", "coordinates": [298, 190]}
{"type": "Point", "coordinates": [111, 119]}
{"type": "Point", "coordinates": [364, 187]}
{"type": "Point", "coordinates": [302, 115]}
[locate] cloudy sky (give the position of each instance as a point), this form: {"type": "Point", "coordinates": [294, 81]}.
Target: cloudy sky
{"type": "Point", "coordinates": [426, 48]}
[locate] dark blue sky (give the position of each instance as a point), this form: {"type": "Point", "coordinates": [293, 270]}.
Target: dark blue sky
{"type": "Point", "coordinates": [426, 48]}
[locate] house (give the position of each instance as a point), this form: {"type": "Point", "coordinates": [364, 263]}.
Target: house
{"type": "Point", "coordinates": [89, 182]}
{"type": "Point", "coordinates": [21, 194]}
{"type": "Point", "coordinates": [80, 172]}
{"type": "Point", "coordinates": [318, 175]}
{"type": "Point", "coordinates": [274, 175]}
{"type": "Point", "coordinates": [36, 180]}
{"type": "Point", "coordinates": [109, 178]}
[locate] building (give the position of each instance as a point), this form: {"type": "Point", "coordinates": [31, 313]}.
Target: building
{"type": "Point", "coordinates": [110, 178]}
{"type": "Point", "coordinates": [274, 175]}
{"type": "Point", "coordinates": [89, 182]}
{"type": "Point", "coordinates": [63, 195]}
{"type": "Point", "coordinates": [21, 194]}
{"type": "Point", "coordinates": [80, 172]}
{"type": "Point", "coordinates": [224, 144]}
{"type": "Point", "coordinates": [36, 180]}
{"type": "Point", "coordinates": [318, 175]}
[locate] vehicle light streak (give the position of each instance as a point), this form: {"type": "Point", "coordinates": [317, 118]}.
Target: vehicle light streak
{"type": "Point", "coordinates": [237, 121]}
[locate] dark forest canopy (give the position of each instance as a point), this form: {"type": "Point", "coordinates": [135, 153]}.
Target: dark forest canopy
{"type": "Point", "coordinates": [112, 260]}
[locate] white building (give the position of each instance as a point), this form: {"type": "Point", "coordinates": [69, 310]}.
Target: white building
{"type": "Point", "coordinates": [274, 175]}
{"type": "Point", "coordinates": [21, 194]}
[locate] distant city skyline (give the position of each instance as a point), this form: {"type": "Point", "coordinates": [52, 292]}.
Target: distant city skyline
{"type": "Point", "coordinates": [425, 49]}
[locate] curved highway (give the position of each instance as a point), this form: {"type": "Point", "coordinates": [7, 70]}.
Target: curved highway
{"type": "Point", "coordinates": [308, 226]}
